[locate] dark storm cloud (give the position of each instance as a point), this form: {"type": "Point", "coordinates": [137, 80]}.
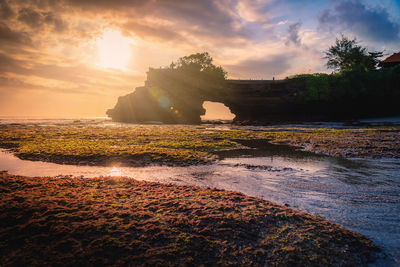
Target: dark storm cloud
{"type": "Point", "coordinates": [293, 34]}
{"type": "Point", "coordinates": [261, 68]}
{"type": "Point", "coordinates": [371, 23]}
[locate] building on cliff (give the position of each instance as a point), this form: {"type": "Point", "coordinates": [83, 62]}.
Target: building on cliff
{"type": "Point", "coordinates": [391, 61]}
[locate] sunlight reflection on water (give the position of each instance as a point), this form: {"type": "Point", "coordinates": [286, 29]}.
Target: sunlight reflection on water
{"type": "Point", "coordinates": [115, 172]}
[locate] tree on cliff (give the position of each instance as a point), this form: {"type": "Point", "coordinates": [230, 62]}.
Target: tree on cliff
{"type": "Point", "coordinates": [200, 62]}
{"type": "Point", "coordinates": [346, 55]}
{"type": "Point", "coordinates": [194, 73]}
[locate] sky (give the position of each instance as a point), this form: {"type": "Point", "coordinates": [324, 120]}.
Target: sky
{"type": "Point", "coordinates": [74, 58]}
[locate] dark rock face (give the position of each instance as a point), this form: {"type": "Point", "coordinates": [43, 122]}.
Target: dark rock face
{"type": "Point", "coordinates": [145, 104]}
{"type": "Point", "coordinates": [262, 101]}
{"type": "Point", "coordinates": [250, 100]}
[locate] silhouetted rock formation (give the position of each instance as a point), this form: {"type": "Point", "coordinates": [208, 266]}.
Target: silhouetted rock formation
{"type": "Point", "coordinates": [250, 100]}
{"type": "Point", "coordinates": [175, 94]}
{"type": "Point", "coordinates": [261, 100]}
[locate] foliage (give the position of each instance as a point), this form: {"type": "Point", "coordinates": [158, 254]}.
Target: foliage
{"type": "Point", "coordinates": [200, 62]}
{"type": "Point", "coordinates": [347, 55]}
{"type": "Point", "coordinates": [352, 94]}
{"type": "Point", "coordinates": [356, 90]}
{"type": "Point", "coordinates": [317, 85]}
{"type": "Point", "coordinates": [195, 72]}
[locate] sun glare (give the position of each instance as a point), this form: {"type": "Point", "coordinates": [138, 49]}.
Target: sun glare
{"type": "Point", "coordinates": [114, 50]}
{"type": "Point", "coordinates": [115, 171]}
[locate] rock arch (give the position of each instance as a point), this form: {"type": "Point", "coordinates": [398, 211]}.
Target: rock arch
{"type": "Point", "coordinates": [249, 100]}
{"type": "Point", "coordinates": [214, 108]}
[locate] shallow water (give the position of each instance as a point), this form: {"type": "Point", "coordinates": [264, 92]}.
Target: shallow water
{"type": "Point", "coordinates": [360, 194]}
{"type": "Point", "coordinates": [395, 120]}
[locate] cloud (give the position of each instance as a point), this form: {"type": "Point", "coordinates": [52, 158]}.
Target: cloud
{"type": "Point", "coordinates": [30, 17]}
{"type": "Point", "coordinates": [35, 19]}
{"type": "Point", "coordinates": [206, 21]}
{"type": "Point", "coordinates": [55, 77]}
{"type": "Point", "coordinates": [156, 32]}
{"type": "Point", "coordinates": [255, 11]}
{"type": "Point", "coordinates": [5, 10]}
{"type": "Point", "coordinates": [293, 34]}
{"type": "Point", "coordinates": [204, 18]}
{"type": "Point", "coordinates": [265, 68]}
{"type": "Point", "coordinates": [107, 5]}
{"type": "Point", "coordinates": [51, 19]}
{"type": "Point", "coordinates": [207, 18]}
{"type": "Point", "coordinates": [374, 24]}
{"type": "Point", "coordinates": [9, 36]}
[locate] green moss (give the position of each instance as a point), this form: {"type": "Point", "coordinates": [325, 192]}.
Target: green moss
{"type": "Point", "coordinates": [166, 144]}
{"type": "Point", "coordinates": [183, 145]}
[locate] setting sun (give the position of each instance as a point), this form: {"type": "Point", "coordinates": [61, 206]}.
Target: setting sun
{"type": "Point", "coordinates": [114, 50]}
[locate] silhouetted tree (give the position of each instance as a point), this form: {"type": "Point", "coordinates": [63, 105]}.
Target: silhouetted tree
{"type": "Point", "coordinates": [346, 55]}
{"type": "Point", "coordinates": [199, 62]}
{"type": "Point", "coordinates": [195, 72]}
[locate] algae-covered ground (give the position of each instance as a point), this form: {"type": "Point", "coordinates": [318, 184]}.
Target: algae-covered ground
{"type": "Point", "coordinates": [183, 145]}
{"type": "Point", "coordinates": [362, 143]}
{"type": "Point", "coordinates": [121, 221]}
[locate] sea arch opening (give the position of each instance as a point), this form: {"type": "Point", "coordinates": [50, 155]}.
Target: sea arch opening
{"type": "Point", "coordinates": [216, 111]}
